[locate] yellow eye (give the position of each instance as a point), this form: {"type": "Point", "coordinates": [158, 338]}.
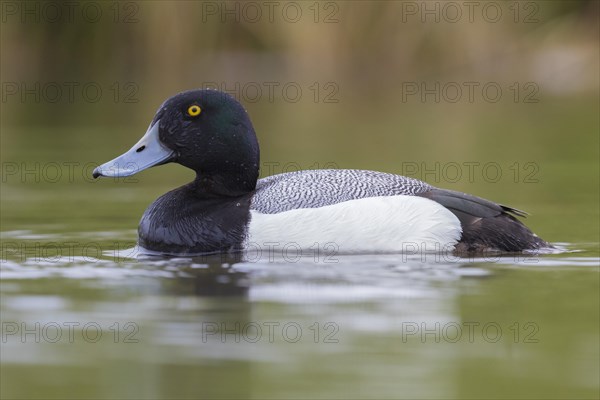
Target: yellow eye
{"type": "Point", "coordinates": [194, 111]}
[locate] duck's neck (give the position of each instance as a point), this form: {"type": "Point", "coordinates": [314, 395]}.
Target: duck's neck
{"type": "Point", "coordinates": [229, 169]}
{"type": "Point", "coordinates": [225, 183]}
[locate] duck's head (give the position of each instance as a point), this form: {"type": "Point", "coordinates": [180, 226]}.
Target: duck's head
{"type": "Point", "coordinates": [205, 130]}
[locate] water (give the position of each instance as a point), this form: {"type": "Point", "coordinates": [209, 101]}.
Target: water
{"type": "Point", "coordinates": [79, 324]}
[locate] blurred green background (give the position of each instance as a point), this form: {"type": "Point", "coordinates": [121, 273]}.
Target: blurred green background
{"type": "Point", "coordinates": [498, 99]}
{"type": "Point", "coordinates": [84, 88]}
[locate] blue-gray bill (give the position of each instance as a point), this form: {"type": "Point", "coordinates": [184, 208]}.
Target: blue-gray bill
{"type": "Point", "coordinates": [146, 153]}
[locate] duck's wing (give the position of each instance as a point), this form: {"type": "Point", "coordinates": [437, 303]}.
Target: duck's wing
{"type": "Point", "coordinates": [486, 225]}
{"type": "Point", "coordinates": [468, 207]}
{"type": "Point", "coordinates": [318, 188]}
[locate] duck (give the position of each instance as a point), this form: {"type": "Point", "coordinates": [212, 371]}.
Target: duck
{"type": "Point", "coordinates": [227, 208]}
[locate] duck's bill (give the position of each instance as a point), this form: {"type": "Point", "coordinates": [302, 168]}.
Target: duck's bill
{"type": "Point", "coordinates": [146, 153]}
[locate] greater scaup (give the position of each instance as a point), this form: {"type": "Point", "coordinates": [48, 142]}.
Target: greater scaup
{"type": "Point", "coordinates": [227, 208]}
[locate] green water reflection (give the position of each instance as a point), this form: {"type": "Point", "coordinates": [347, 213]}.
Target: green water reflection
{"type": "Point", "coordinates": [365, 326]}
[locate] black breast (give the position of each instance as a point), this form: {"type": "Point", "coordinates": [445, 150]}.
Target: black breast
{"type": "Point", "coordinates": [182, 222]}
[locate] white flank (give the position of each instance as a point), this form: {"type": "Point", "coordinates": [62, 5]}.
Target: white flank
{"type": "Point", "coordinates": [375, 224]}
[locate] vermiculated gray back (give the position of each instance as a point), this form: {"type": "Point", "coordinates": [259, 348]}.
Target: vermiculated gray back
{"type": "Point", "coordinates": [318, 188]}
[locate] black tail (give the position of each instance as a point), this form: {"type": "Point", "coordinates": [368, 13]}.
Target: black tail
{"type": "Point", "coordinates": [486, 225]}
